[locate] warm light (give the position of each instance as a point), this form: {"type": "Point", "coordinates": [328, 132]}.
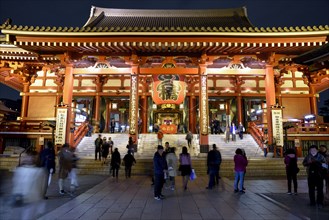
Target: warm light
{"type": "Point", "coordinates": [114, 105]}
{"type": "Point", "coordinates": [309, 116]}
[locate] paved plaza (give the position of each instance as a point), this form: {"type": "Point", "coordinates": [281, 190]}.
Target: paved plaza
{"type": "Point", "coordinates": [101, 197]}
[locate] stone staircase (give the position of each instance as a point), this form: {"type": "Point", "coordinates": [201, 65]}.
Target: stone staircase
{"type": "Point", "coordinates": [258, 165]}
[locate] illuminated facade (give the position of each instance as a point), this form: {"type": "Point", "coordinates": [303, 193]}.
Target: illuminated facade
{"type": "Point", "coordinates": [212, 64]}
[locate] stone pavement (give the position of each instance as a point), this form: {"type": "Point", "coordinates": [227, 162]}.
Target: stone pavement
{"type": "Point", "coordinates": [101, 197]}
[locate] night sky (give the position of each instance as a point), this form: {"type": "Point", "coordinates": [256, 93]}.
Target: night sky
{"type": "Point", "coordinates": [74, 13]}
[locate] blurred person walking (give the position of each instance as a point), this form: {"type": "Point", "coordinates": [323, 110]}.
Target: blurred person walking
{"type": "Point", "coordinates": [65, 158]}
{"type": "Point", "coordinates": [73, 173]}
{"type": "Point", "coordinates": [115, 163]}
{"type": "Point", "coordinates": [128, 160]}
{"type": "Point", "coordinates": [47, 160]}
{"type": "Point", "coordinates": [214, 159]}
{"type": "Point", "coordinates": [28, 186]}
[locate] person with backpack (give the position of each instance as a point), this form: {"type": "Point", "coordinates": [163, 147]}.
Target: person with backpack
{"type": "Point", "coordinates": [313, 163]}
{"type": "Point", "coordinates": [292, 169]}
{"type": "Point", "coordinates": [214, 159]}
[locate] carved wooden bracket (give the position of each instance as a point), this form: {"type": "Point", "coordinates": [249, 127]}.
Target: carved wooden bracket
{"type": "Point", "coordinates": [26, 74]}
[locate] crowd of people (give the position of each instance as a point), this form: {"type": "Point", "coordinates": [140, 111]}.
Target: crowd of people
{"type": "Point", "coordinates": [166, 167]}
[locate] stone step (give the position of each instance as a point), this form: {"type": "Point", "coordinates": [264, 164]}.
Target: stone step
{"type": "Point", "coordinates": [269, 167]}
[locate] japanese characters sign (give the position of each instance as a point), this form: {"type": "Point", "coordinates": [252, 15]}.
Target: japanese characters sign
{"type": "Point", "coordinates": [277, 126]}
{"type": "Point", "coordinates": [60, 132]}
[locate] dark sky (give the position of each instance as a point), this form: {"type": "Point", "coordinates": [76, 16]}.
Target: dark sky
{"type": "Point", "coordinates": [262, 13]}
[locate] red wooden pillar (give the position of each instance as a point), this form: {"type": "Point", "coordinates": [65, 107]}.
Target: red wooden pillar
{"type": "Point", "coordinates": [107, 116]}
{"type": "Point", "coordinates": [203, 106]}
{"type": "Point", "coordinates": [270, 99]}
{"type": "Point", "coordinates": [25, 99]}
{"type": "Point", "coordinates": [239, 107]}
{"type": "Point", "coordinates": [192, 116]}
{"type": "Point", "coordinates": [67, 100]}
{"type": "Point", "coordinates": [314, 107]}
{"type": "Point", "coordinates": [133, 104]}
{"type": "Point", "coordinates": [144, 114]}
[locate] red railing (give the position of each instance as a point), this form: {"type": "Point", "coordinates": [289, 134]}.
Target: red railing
{"type": "Point", "coordinates": [79, 133]}
{"type": "Point", "coordinates": [309, 128]}
{"type": "Point", "coordinates": [256, 133]}
{"type": "Point", "coordinates": [24, 126]}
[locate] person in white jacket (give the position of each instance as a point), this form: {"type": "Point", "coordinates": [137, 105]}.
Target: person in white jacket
{"type": "Point", "coordinates": [171, 159]}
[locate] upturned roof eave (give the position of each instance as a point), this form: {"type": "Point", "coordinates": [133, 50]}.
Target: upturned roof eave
{"type": "Point", "coordinates": [108, 34]}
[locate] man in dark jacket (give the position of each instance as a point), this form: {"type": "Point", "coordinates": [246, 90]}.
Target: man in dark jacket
{"type": "Point", "coordinates": [214, 159]}
{"type": "Point", "coordinates": [98, 145]}
{"type": "Point", "coordinates": [314, 166]}
{"type": "Point", "coordinates": [129, 160]}
{"type": "Point", "coordinates": [160, 168]}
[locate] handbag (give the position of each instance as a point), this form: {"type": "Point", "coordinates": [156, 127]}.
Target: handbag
{"type": "Point", "coordinates": [192, 175]}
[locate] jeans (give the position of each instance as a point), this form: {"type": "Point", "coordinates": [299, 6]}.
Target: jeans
{"type": "Point", "coordinates": [213, 171]}
{"type": "Point", "coordinates": [239, 177]}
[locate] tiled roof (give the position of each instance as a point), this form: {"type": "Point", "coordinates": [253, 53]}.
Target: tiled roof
{"type": "Point", "coordinates": [111, 21]}
{"type": "Point", "coordinates": [104, 17]}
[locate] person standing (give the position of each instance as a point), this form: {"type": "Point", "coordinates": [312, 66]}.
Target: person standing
{"type": "Point", "coordinates": [111, 143]}
{"type": "Point", "coordinates": [65, 158]}
{"type": "Point", "coordinates": [240, 164]}
{"type": "Point", "coordinates": [189, 137]}
{"type": "Point", "coordinates": [185, 166]}
{"type": "Point", "coordinates": [214, 159]}
{"type": "Point", "coordinates": [98, 145]}
{"type": "Point", "coordinates": [172, 161]}
{"type": "Point", "coordinates": [241, 129]}
{"type": "Point", "coordinates": [128, 160]}
{"type": "Point", "coordinates": [290, 160]}
{"type": "Point", "coordinates": [167, 148]}
{"type": "Point", "coordinates": [112, 125]}
{"type": "Point", "coordinates": [105, 149]}
{"type": "Point", "coordinates": [160, 168]}
{"type": "Point", "coordinates": [115, 163]}
{"type": "Point", "coordinates": [160, 137]}
{"type": "Point", "coordinates": [227, 134]}
{"type": "Point", "coordinates": [323, 151]}
{"type": "Point", "coordinates": [233, 132]}
{"type": "Point", "coordinates": [313, 163]}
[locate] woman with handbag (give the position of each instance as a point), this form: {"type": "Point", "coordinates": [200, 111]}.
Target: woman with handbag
{"type": "Point", "coordinates": [292, 169]}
